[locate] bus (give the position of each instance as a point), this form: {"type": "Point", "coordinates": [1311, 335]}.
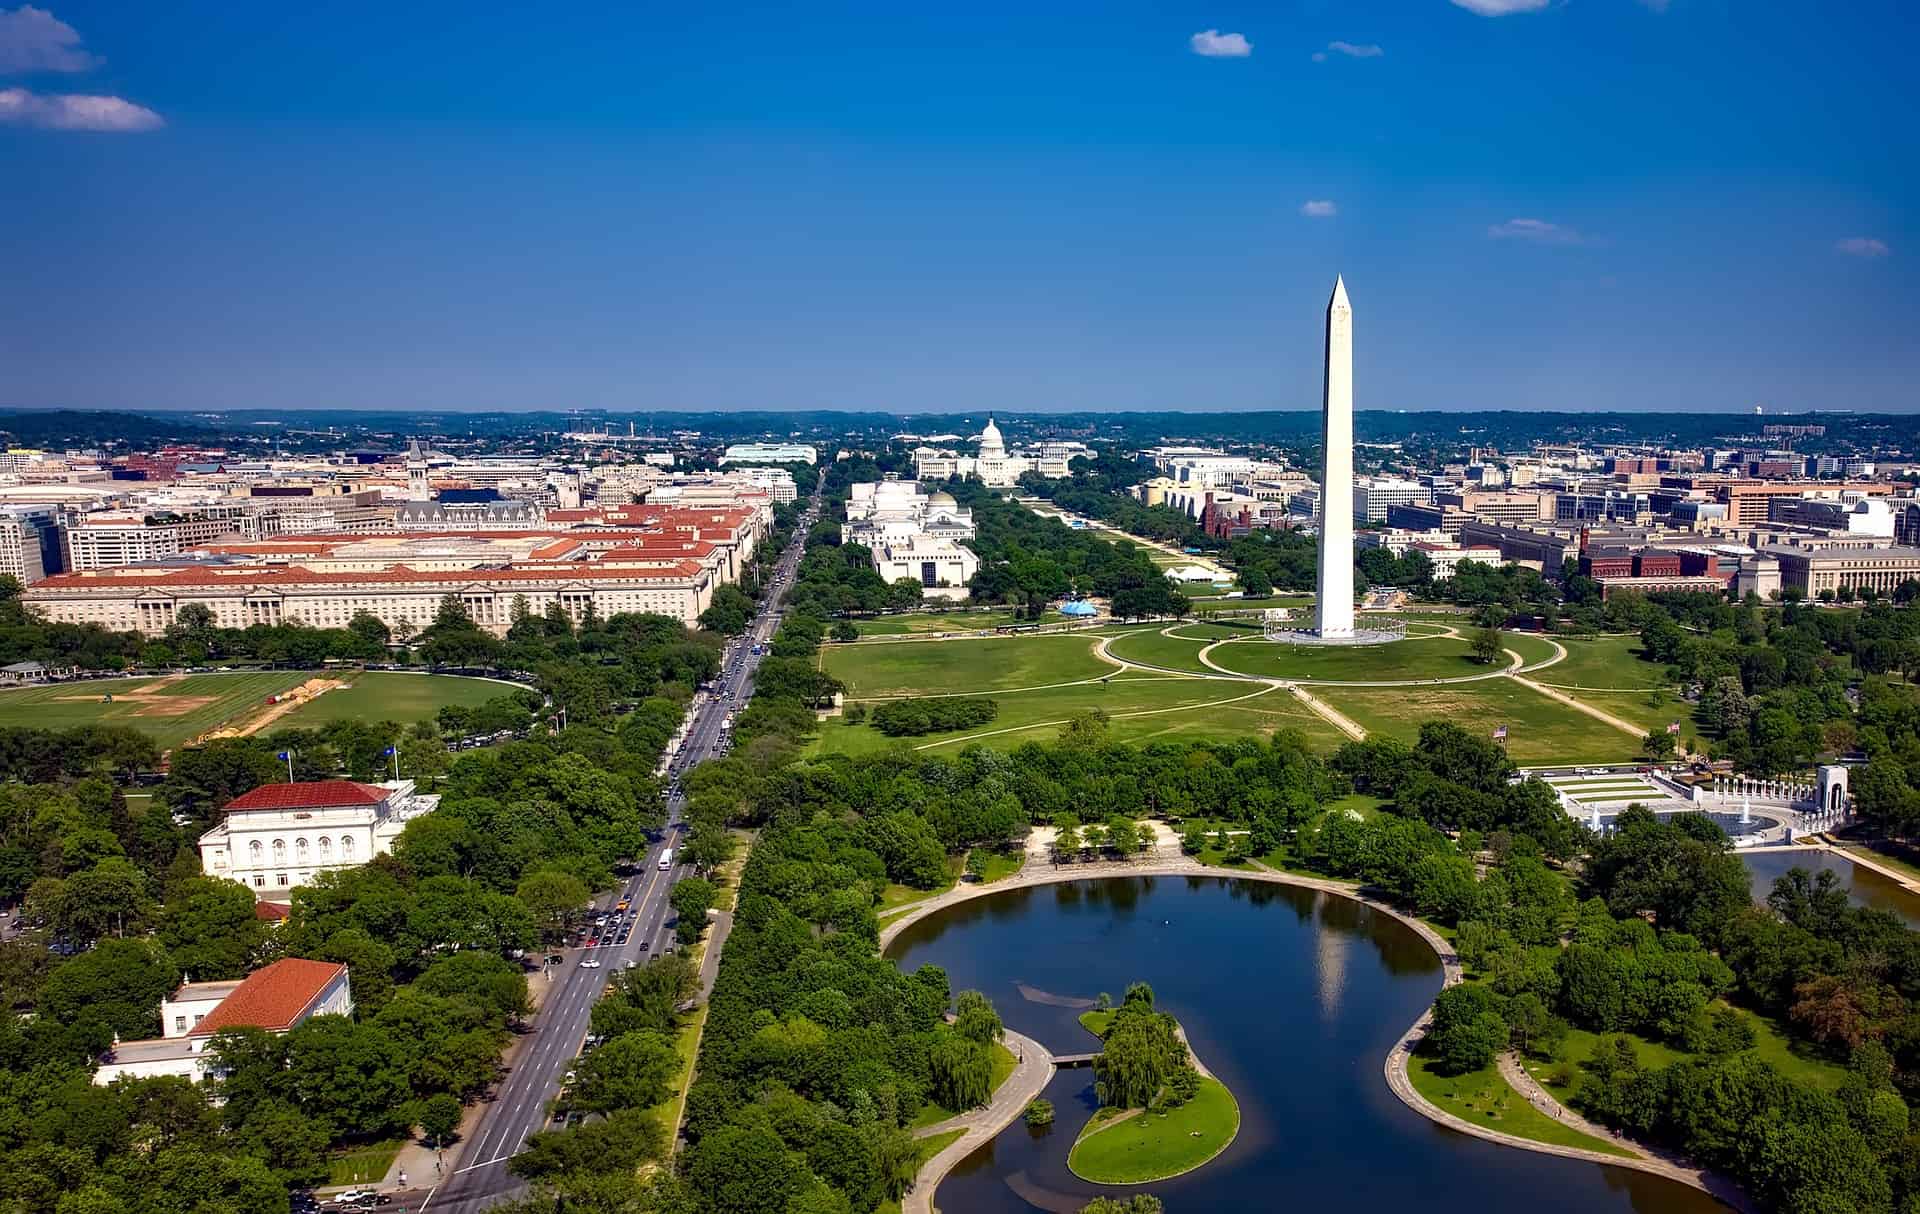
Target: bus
{"type": "Point", "coordinates": [666, 860]}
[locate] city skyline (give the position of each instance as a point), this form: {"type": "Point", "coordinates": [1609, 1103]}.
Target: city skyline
{"type": "Point", "coordinates": [1574, 207]}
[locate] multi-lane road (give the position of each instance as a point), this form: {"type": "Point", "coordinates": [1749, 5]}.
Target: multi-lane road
{"type": "Point", "coordinates": [479, 1176]}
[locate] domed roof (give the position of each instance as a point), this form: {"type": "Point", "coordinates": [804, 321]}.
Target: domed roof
{"type": "Point", "coordinates": [942, 499]}
{"type": "Point", "coordinates": [990, 437]}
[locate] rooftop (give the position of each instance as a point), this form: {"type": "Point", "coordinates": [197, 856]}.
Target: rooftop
{"type": "Point", "coordinates": [272, 998]}
{"type": "Point", "coordinates": [313, 794]}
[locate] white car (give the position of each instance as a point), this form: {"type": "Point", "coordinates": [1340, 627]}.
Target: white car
{"type": "Point", "coordinates": [591, 963]}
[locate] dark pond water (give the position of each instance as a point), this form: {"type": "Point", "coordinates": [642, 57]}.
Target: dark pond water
{"type": "Point", "coordinates": [1294, 999]}
{"type": "Point", "coordinates": [1865, 887]}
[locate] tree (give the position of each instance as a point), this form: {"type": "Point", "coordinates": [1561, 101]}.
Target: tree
{"type": "Point", "coordinates": [209, 928]}
{"type": "Point", "coordinates": [1486, 645]}
{"type": "Point", "coordinates": [354, 1075]}
{"type": "Point", "coordinates": [962, 1073]}
{"type": "Point", "coordinates": [439, 1117]}
{"type": "Point", "coordinates": [691, 899]}
{"type": "Point", "coordinates": [116, 986]}
{"type": "Point", "coordinates": [553, 897]}
{"type": "Point", "coordinates": [1139, 1203]}
{"type": "Point", "coordinates": [975, 1018]}
{"type": "Point", "coordinates": [371, 630]}
{"type": "Point", "coordinates": [1467, 1030]}
{"type": "Point", "coordinates": [632, 1071]}
{"type": "Point", "coordinates": [1658, 746]}
{"type": "Point", "coordinates": [743, 1170]}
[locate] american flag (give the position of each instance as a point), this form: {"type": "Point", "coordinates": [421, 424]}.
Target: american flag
{"type": "Point", "coordinates": [1500, 733]}
{"type": "Point", "coordinates": [1674, 727]}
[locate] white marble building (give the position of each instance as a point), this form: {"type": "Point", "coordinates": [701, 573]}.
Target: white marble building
{"type": "Point", "coordinates": [995, 466]}
{"type": "Point", "coordinates": [280, 835]}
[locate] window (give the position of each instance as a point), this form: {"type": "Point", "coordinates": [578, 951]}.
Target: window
{"type": "Point", "coordinates": [346, 847]}
{"type": "Point", "coordinates": [326, 849]}
{"type": "Point", "coordinates": [279, 851]}
{"type": "Point", "coordinates": [254, 852]}
{"type": "Point", "coordinates": [259, 882]}
{"type": "Point", "coordinates": [180, 1023]}
{"type": "Point", "coordinates": [300, 850]}
{"type": "Point", "coordinates": [280, 879]}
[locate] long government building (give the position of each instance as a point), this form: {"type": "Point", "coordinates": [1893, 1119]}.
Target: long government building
{"type": "Point", "coordinates": [643, 558]}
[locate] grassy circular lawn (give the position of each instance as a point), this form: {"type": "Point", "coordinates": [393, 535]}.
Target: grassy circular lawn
{"type": "Point", "coordinates": [1121, 1146]}
{"type": "Point", "coordinates": [1416, 658]}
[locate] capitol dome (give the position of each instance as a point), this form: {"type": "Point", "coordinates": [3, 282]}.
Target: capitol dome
{"type": "Point", "coordinates": [942, 499]}
{"type": "Point", "coordinates": [990, 439]}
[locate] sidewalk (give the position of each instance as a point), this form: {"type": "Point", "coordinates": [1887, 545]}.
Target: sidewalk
{"type": "Point", "coordinates": [981, 1125]}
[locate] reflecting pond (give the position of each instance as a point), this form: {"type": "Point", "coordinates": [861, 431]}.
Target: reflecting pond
{"type": "Point", "coordinates": [1294, 998]}
{"type": "Point", "coordinates": [1865, 887]}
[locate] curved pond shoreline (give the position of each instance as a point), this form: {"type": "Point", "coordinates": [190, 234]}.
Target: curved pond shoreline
{"type": "Point", "coordinates": [920, 1200]}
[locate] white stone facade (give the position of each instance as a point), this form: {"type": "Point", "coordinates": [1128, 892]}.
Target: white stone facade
{"type": "Point", "coordinates": [272, 850]}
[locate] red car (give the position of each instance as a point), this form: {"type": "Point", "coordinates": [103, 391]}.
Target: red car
{"type": "Point", "coordinates": [593, 942]}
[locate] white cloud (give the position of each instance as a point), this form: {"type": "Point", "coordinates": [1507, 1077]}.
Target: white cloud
{"type": "Point", "coordinates": [1863, 246]}
{"type": "Point", "coordinates": [34, 40]}
{"type": "Point", "coordinates": [1216, 45]}
{"type": "Point", "coordinates": [1352, 50]}
{"type": "Point", "coordinates": [74, 112]}
{"type": "Point", "coordinates": [1535, 231]}
{"type": "Point", "coordinates": [1319, 208]}
{"type": "Point", "coordinates": [1502, 8]}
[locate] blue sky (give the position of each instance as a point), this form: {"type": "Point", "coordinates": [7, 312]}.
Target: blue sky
{"type": "Point", "coordinates": [1589, 204]}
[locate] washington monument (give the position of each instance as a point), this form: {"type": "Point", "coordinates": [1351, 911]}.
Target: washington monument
{"type": "Point", "coordinates": [1333, 606]}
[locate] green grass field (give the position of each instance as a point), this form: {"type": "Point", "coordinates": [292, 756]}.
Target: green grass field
{"type": "Point", "coordinates": [1432, 657]}
{"type": "Point", "coordinates": [1178, 652]}
{"type": "Point", "coordinates": [897, 668]}
{"type": "Point", "coordinates": [1149, 1146]}
{"type": "Point", "coordinates": [170, 710]}
{"type": "Point", "coordinates": [1202, 610]}
{"type": "Point", "coordinates": [366, 1165]}
{"type": "Point", "coordinates": [1484, 1098]}
{"type": "Point", "coordinates": [1539, 730]}
{"type": "Point", "coordinates": [1605, 662]}
{"type": "Point", "coordinates": [935, 622]}
{"type": "Point", "coordinates": [381, 695]}
{"type": "Point", "coordinates": [1174, 708]}
{"type": "Point", "coordinates": [999, 864]}
{"type": "Point", "coordinates": [1531, 648]}
{"type": "Point", "coordinates": [1654, 708]}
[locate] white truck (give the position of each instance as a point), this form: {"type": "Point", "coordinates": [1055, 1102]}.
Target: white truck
{"type": "Point", "coordinates": [666, 860]}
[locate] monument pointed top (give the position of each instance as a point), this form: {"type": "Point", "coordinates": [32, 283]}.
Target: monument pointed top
{"type": "Point", "coordinates": [1339, 299]}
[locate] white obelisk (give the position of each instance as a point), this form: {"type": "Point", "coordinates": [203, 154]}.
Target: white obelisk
{"type": "Point", "coordinates": [1333, 606]}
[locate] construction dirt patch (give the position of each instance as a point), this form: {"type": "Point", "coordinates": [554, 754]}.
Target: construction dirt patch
{"type": "Point", "coordinates": [150, 700]}
{"type": "Point", "coordinates": [285, 703]}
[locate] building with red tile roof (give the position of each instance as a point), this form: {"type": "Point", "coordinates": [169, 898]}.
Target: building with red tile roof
{"type": "Point", "coordinates": [278, 998]}
{"type": "Point", "coordinates": [665, 560]}
{"type": "Point", "coordinates": [280, 836]}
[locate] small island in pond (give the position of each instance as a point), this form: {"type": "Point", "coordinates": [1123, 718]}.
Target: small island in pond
{"type": "Point", "coordinates": [1161, 1113]}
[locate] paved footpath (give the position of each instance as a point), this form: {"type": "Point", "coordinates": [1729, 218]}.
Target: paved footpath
{"type": "Point", "coordinates": [1010, 1100]}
